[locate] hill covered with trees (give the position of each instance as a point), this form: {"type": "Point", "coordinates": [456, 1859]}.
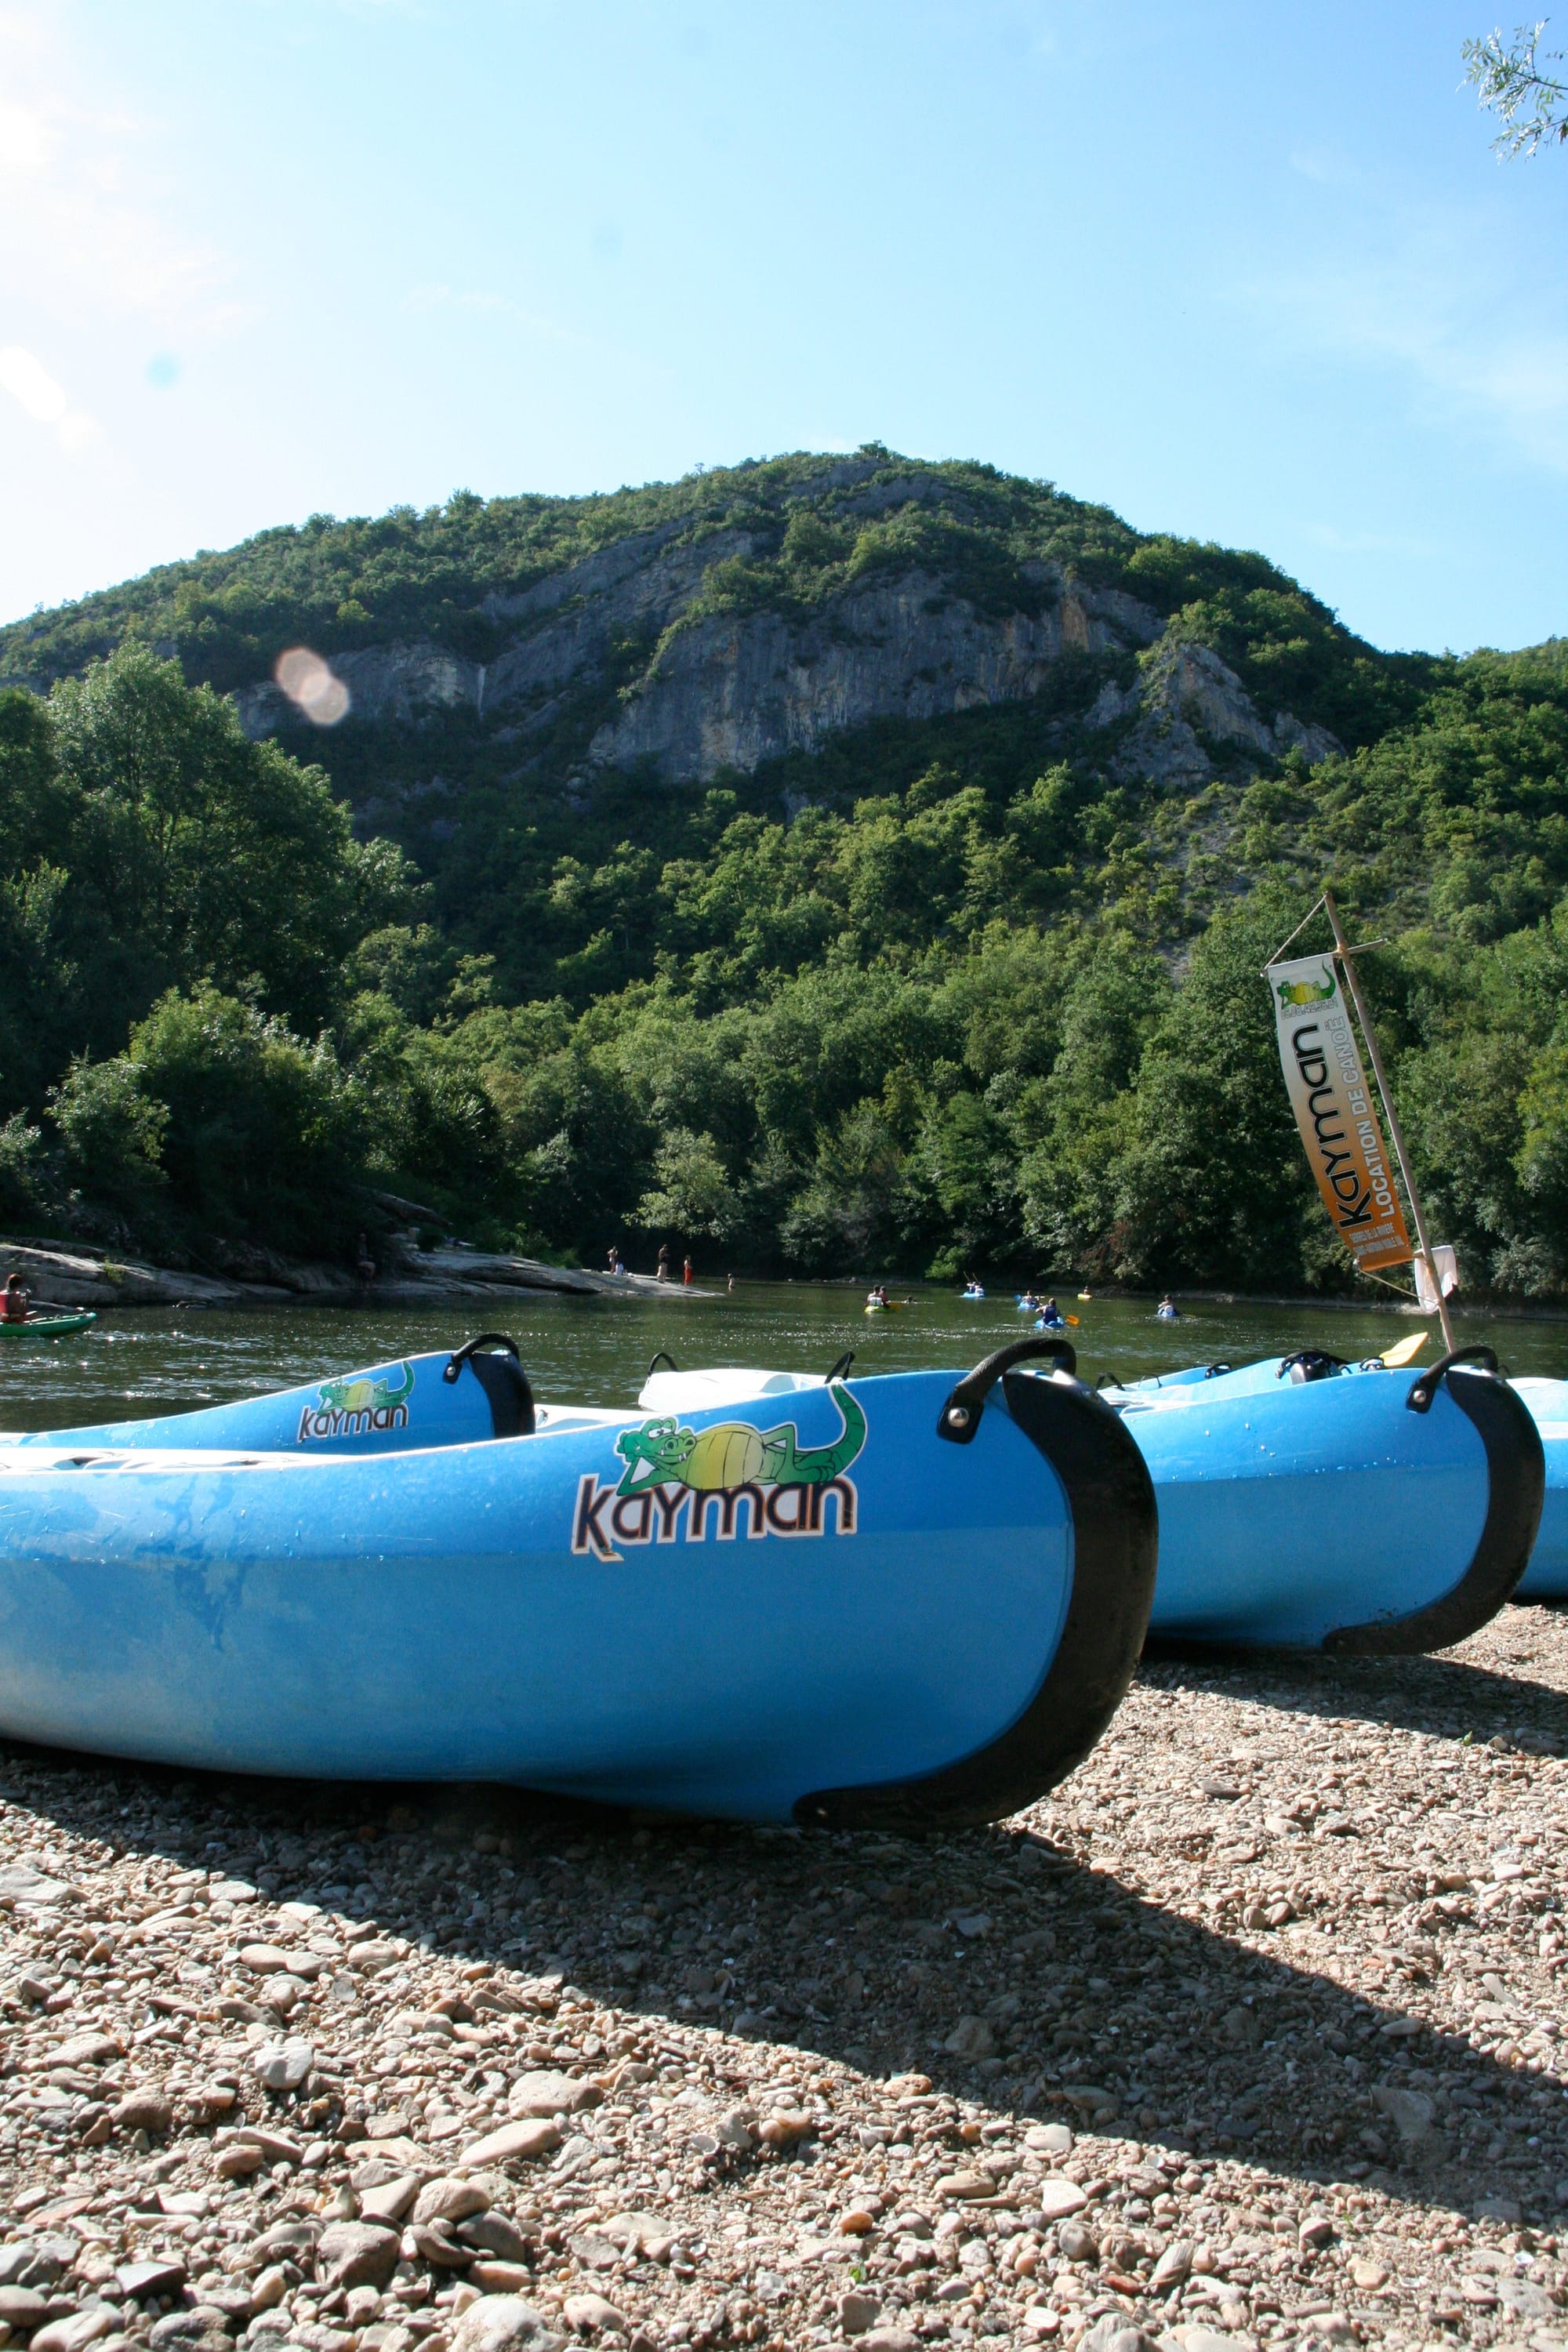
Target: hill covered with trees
{"type": "Point", "coordinates": [835, 864]}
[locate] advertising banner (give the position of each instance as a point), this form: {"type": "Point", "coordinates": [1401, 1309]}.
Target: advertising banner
{"type": "Point", "coordinates": [1334, 1110]}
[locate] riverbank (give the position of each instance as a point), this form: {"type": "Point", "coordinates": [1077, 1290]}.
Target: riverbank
{"type": "Point", "coordinates": [1247, 2038]}
{"type": "Point", "coordinates": [75, 1277]}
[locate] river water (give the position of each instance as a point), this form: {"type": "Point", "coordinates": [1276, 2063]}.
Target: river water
{"type": "Point", "coordinates": [596, 1351]}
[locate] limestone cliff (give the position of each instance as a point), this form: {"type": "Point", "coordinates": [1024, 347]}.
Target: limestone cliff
{"type": "Point", "coordinates": [687, 630]}
{"type": "Point", "coordinates": [729, 691]}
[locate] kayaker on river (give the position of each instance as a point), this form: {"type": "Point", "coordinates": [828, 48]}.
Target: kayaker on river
{"type": "Point", "coordinates": [15, 1300]}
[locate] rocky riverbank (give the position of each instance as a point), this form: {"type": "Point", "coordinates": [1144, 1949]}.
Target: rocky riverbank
{"type": "Point", "coordinates": [1250, 2037]}
{"type": "Point", "coordinates": [410, 1277]}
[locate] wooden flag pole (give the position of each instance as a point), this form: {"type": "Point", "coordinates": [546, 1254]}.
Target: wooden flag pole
{"type": "Point", "coordinates": [1346, 960]}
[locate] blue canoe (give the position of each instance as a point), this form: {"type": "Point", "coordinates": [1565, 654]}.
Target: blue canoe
{"type": "Point", "coordinates": [1546, 1578]}
{"type": "Point", "coordinates": [477, 1391]}
{"type": "Point", "coordinates": [1546, 1400]}
{"type": "Point", "coordinates": [1305, 1507]}
{"type": "Point", "coordinates": [912, 1600]}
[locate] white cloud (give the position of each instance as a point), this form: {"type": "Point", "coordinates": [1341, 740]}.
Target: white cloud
{"type": "Point", "coordinates": [1478, 349]}
{"type": "Point", "coordinates": [34, 389]}
{"type": "Point", "coordinates": [85, 211]}
{"type": "Point", "coordinates": [483, 301]}
{"type": "Point", "coordinates": [1369, 542]}
{"type": "Point", "coordinates": [1326, 165]}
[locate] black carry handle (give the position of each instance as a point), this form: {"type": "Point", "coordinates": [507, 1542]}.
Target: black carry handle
{"type": "Point", "coordinates": [661, 1356]}
{"type": "Point", "coordinates": [841, 1368]}
{"type": "Point", "coordinates": [503, 1378]}
{"type": "Point", "coordinates": [1427, 1383]}
{"type": "Point", "coordinates": [1213, 1371]}
{"type": "Point", "coordinates": [483, 1339]}
{"type": "Point", "coordinates": [960, 1416]}
{"type": "Point", "coordinates": [1316, 1363]}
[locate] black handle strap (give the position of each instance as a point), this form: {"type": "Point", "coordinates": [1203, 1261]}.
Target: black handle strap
{"type": "Point", "coordinates": [1316, 1363]}
{"type": "Point", "coordinates": [1212, 1371]}
{"type": "Point", "coordinates": [1426, 1385]}
{"type": "Point", "coordinates": [841, 1368]}
{"type": "Point", "coordinates": [661, 1356]}
{"type": "Point", "coordinates": [960, 1416]}
{"type": "Point", "coordinates": [469, 1347]}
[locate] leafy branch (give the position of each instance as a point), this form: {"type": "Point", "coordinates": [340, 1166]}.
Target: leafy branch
{"type": "Point", "coordinates": [1510, 77]}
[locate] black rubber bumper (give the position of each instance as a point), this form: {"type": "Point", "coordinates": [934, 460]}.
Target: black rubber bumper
{"type": "Point", "coordinates": [1516, 1489]}
{"type": "Point", "coordinates": [1115, 1543]}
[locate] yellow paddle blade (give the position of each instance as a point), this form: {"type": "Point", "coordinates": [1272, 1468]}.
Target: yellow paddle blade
{"type": "Point", "coordinates": [1405, 1351]}
{"type": "Point", "coordinates": [1073, 1320]}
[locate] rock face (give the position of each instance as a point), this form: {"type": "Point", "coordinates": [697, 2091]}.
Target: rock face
{"type": "Point", "coordinates": [730, 693]}
{"type": "Point", "coordinates": [725, 690]}
{"type": "Point", "coordinates": [685, 652]}
{"type": "Point", "coordinates": [410, 1277]}
{"type": "Point", "coordinates": [1185, 691]}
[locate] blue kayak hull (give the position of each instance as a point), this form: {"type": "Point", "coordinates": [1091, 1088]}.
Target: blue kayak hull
{"type": "Point", "coordinates": [590, 1611]}
{"type": "Point", "coordinates": [449, 1399]}
{"type": "Point", "coordinates": [1546, 1578]}
{"type": "Point", "coordinates": [1379, 1512]}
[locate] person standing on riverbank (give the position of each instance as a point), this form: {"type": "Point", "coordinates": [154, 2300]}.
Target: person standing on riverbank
{"type": "Point", "coordinates": [664, 1261]}
{"type": "Point", "coordinates": [686, 1276]}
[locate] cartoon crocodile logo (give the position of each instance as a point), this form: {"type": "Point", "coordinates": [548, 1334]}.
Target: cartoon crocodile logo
{"type": "Point", "coordinates": [731, 1454]}
{"type": "Point", "coordinates": [1306, 991]}
{"type": "Point", "coordinates": [352, 1407]}
{"type": "Point", "coordinates": [365, 1394]}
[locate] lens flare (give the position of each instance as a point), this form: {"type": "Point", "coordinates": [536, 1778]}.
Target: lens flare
{"type": "Point", "coordinates": [311, 685]}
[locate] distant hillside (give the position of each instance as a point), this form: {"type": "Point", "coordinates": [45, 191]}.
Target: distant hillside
{"type": "Point", "coordinates": [844, 861]}
{"type": "Point", "coordinates": [511, 666]}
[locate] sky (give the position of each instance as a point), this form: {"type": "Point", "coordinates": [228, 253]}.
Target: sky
{"type": "Point", "coordinates": [1244, 272]}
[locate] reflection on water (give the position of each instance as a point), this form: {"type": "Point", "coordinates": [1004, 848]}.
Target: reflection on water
{"type": "Point", "coordinates": [595, 1350]}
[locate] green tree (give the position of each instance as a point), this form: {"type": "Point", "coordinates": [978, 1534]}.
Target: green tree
{"type": "Point", "coordinates": [264, 1135]}
{"type": "Point", "coordinates": [1509, 75]}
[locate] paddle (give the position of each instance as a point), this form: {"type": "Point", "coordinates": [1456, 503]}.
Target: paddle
{"type": "Point", "coordinates": [1406, 1351]}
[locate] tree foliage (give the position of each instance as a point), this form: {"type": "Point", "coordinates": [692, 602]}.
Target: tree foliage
{"type": "Point", "coordinates": [947, 994]}
{"type": "Point", "coordinates": [1510, 77]}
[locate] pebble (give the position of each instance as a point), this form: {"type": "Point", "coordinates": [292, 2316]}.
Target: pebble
{"type": "Point", "coordinates": [502, 2323]}
{"type": "Point", "coordinates": [1058, 2198]}
{"type": "Point", "coordinates": [513, 2143]}
{"type": "Point", "coordinates": [591, 2314]}
{"type": "Point", "coordinates": [283, 2066]}
{"type": "Point", "coordinates": [552, 2095]}
{"type": "Point", "coordinates": [1271, 2071]}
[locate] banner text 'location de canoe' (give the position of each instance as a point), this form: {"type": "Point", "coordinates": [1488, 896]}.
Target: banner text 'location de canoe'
{"type": "Point", "coordinates": [1335, 1111]}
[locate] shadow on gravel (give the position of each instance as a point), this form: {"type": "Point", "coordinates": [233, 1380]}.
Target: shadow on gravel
{"type": "Point", "coordinates": [1005, 1970]}
{"type": "Point", "coordinates": [1446, 1697]}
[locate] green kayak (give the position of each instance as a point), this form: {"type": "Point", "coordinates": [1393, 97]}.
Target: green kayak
{"type": "Point", "coordinates": [47, 1326]}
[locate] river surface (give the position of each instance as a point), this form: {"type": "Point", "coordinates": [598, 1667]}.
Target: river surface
{"type": "Point", "coordinates": [596, 1351]}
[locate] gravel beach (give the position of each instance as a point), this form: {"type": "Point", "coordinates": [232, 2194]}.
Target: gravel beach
{"type": "Point", "coordinates": [1250, 2036]}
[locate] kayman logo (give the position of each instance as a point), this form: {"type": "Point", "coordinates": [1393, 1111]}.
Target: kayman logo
{"type": "Point", "coordinates": [353, 1408]}
{"type": "Point", "coordinates": [1307, 992]}
{"type": "Point", "coordinates": [682, 1482]}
